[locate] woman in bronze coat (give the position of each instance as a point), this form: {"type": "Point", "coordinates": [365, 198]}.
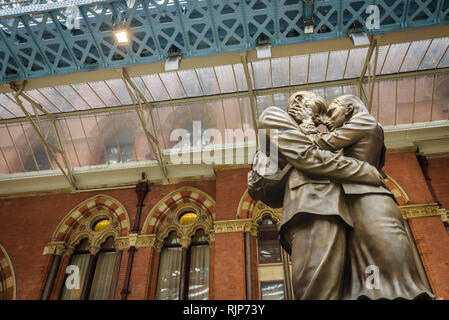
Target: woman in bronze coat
{"type": "Point", "coordinates": [379, 241]}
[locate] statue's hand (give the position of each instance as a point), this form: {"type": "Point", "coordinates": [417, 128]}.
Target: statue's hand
{"type": "Point", "coordinates": [308, 128]}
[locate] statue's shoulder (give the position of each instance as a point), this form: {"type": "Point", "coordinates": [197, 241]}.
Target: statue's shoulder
{"type": "Point", "coordinates": [272, 113]}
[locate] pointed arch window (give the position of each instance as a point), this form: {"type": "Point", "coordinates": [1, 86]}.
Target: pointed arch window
{"type": "Point", "coordinates": [184, 272]}
{"type": "Point", "coordinates": [96, 272]}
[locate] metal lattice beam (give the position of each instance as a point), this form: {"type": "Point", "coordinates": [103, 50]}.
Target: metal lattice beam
{"type": "Point", "coordinates": [151, 138]}
{"type": "Point", "coordinates": [199, 28]}
{"type": "Point", "coordinates": [49, 147]}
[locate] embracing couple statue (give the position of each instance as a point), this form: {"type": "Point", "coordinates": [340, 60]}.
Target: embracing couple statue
{"type": "Point", "coordinates": [338, 218]}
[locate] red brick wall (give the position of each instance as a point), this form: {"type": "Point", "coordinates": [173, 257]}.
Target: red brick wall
{"type": "Point", "coordinates": [230, 187]}
{"type": "Point", "coordinates": [429, 233]}
{"type": "Point", "coordinates": [438, 171]}
{"type": "Point", "coordinates": [229, 264]}
{"type": "Point", "coordinates": [27, 225]}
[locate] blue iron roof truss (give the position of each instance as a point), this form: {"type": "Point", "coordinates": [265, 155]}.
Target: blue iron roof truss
{"type": "Point", "coordinates": [35, 41]}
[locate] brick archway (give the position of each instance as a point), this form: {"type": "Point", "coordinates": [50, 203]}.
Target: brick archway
{"type": "Point", "coordinates": [8, 285]}
{"type": "Point", "coordinates": [171, 202]}
{"type": "Point", "coordinates": [85, 210]}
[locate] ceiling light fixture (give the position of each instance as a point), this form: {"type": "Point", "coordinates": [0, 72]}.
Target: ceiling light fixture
{"type": "Point", "coordinates": [173, 59]}
{"type": "Point", "coordinates": [359, 38]}
{"type": "Point", "coordinates": [120, 30]}
{"type": "Point", "coordinates": [263, 47]}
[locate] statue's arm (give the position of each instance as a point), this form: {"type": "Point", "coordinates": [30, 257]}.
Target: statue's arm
{"type": "Point", "coordinates": [300, 151]}
{"type": "Point", "coordinates": [344, 136]}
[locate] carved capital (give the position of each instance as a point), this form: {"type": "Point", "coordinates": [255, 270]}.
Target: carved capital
{"type": "Point", "coordinates": [147, 240]}
{"type": "Point", "coordinates": [121, 243]}
{"type": "Point", "coordinates": [185, 242]}
{"type": "Point", "coordinates": [94, 250]}
{"type": "Point", "coordinates": [158, 243]}
{"type": "Point", "coordinates": [421, 210]}
{"type": "Point", "coordinates": [239, 225]}
{"type": "Point", "coordinates": [56, 248]}
{"type": "Point", "coordinates": [132, 239]}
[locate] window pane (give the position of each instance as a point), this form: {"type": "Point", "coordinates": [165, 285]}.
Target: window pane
{"type": "Point", "coordinates": [169, 274]}
{"type": "Point", "coordinates": [81, 261]}
{"type": "Point", "coordinates": [272, 290]}
{"type": "Point", "coordinates": [268, 244]}
{"type": "Point", "coordinates": [199, 273]}
{"type": "Point", "coordinates": [102, 280]}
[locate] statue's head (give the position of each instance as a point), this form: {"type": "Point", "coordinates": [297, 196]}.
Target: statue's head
{"type": "Point", "coordinates": [306, 106]}
{"type": "Point", "coordinates": [341, 109]}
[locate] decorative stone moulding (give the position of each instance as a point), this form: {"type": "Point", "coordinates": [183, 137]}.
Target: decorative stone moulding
{"type": "Point", "coordinates": [423, 210]}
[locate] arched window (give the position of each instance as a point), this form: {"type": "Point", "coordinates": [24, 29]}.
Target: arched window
{"type": "Point", "coordinates": [80, 258]}
{"type": "Point", "coordinates": [39, 160]}
{"type": "Point", "coordinates": [7, 276]}
{"type": "Point", "coordinates": [119, 148]}
{"type": "Point", "coordinates": [95, 272]}
{"type": "Point", "coordinates": [184, 272]}
{"type": "Point", "coordinates": [85, 241]}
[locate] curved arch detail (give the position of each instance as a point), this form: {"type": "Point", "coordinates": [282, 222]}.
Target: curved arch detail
{"type": "Point", "coordinates": [175, 201]}
{"type": "Point", "coordinates": [82, 213]}
{"type": "Point", "coordinates": [8, 286]}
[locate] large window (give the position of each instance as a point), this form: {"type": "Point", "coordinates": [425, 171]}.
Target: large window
{"type": "Point", "coordinates": [271, 260]}
{"type": "Point", "coordinates": [269, 249]}
{"type": "Point", "coordinates": [184, 272]}
{"type": "Point", "coordinates": [38, 161]}
{"type": "Point", "coordinates": [118, 148]}
{"type": "Point", "coordinates": [95, 272]}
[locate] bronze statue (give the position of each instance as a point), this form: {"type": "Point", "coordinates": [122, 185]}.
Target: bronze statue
{"type": "Point", "coordinates": [315, 214]}
{"type": "Point", "coordinates": [331, 199]}
{"type": "Point", "coordinates": [378, 237]}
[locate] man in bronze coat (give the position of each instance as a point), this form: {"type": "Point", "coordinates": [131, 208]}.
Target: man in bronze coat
{"type": "Point", "coordinates": [379, 240]}
{"type": "Point", "coordinates": [314, 215]}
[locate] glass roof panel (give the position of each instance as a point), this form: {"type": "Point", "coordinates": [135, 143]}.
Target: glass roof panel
{"type": "Point", "coordinates": [280, 72]}
{"type": "Point", "coordinates": [104, 93]}
{"type": "Point", "coordinates": [383, 50]}
{"type": "Point", "coordinates": [12, 107]}
{"type": "Point", "coordinates": [355, 62]}
{"type": "Point", "coordinates": [332, 92]}
{"type": "Point", "coordinates": [387, 102]}
{"type": "Point", "coordinates": [208, 80]}
{"type": "Point", "coordinates": [404, 102]}
{"type": "Point", "coordinates": [226, 78]}
{"type": "Point", "coordinates": [72, 95]}
{"type": "Point", "coordinates": [190, 82]}
{"type": "Point", "coordinates": [414, 55]}
{"type": "Point", "coordinates": [337, 63]}
{"type": "Point", "coordinates": [141, 87]}
{"type": "Point", "coordinates": [423, 99]}
{"type": "Point", "coordinates": [317, 67]}
{"type": "Point", "coordinates": [444, 63]}
{"type": "Point", "coordinates": [173, 85]}
{"type": "Point", "coordinates": [57, 100]}
{"type": "Point", "coordinates": [119, 88]}
{"type": "Point", "coordinates": [156, 87]}
{"type": "Point", "coordinates": [440, 108]}
{"type": "Point", "coordinates": [88, 95]}
{"type": "Point", "coordinates": [394, 58]}
{"type": "Point", "coordinates": [240, 77]}
{"type": "Point", "coordinates": [262, 73]}
{"type": "Point", "coordinates": [434, 54]}
{"type": "Point", "coordinates": [299, 66]}
{"type": "Point", "coordinates": [43, 101]}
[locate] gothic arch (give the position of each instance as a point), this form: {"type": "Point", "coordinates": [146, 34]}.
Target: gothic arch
{"type": "Point", "coordinates": [77, 224]}
{"type": "Point", "coordinates": [163, 217]}
{"type": "Point", "coordinates": [8, 284]}
{"type": "Point", "coordinates": [256, 210]}
{"type": "Point", "coordinates": [397, 191]}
